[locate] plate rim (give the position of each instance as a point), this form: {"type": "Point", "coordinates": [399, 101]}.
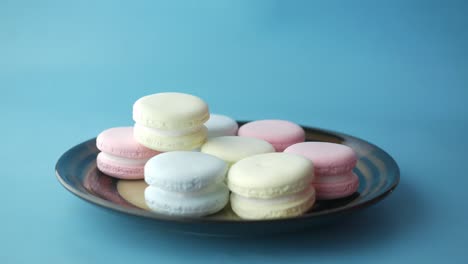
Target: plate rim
{"type": "Point", "coordinates": [154, 216]}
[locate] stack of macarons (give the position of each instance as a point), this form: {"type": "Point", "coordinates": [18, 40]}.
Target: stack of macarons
{"type": "Point", "coordinates": [191, 161]}
{"type": "Point", "coordinates": [186, 183]}
{"type": "Point", "coordinates": [170, 121]}
{"type": "Point", "coordinates": [271, 185]}
{"type": "Point", "coordinates": [121, 156]}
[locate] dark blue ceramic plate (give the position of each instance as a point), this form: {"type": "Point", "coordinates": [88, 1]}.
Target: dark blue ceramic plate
{"type": "Point", "coordinates": [378, 172]}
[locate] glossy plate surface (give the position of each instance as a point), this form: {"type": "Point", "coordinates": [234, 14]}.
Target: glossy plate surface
{"type": "Point", "coordinates": [378, 173]}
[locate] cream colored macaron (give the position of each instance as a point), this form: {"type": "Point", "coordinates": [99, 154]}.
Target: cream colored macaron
{"type": "Point", "coordinates": [271, 185]}
{"type": "Point", "coordinates": [270, 175]}
{"type": "Point", "coordinates": [232, 148]}
{"type": "Point", "coordinates": [170, 121]}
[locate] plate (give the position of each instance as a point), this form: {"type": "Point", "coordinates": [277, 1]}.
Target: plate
{"type": "Point", "coordinates": [378, 174]}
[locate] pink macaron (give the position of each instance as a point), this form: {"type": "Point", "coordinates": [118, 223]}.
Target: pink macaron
{"type": "Point", "coordinates": [280, 133]}
{"type": "Point", "coordinates": [333, 168]}
{"type": "Point", "coordinates": [121, 156]}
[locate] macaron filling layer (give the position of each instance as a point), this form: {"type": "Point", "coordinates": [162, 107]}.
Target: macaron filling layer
{"type": "Point", "coordinates": [123, 161]}
{"type": "Point", "coordinates": [170, 133]}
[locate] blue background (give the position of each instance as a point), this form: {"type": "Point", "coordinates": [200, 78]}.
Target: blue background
{"type": "Point", "coordinates": [392, 72]}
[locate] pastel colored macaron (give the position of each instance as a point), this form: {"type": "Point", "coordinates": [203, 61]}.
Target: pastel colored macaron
{"type": "Point", "coordinates": [121, 156]}
{"type": "Point", "coordinates": [280, 133]}
{"type": "Point", "coordinates": [278, 184]}
{"type": "Point", "coordinates": [170, 121]}
{"type": "Point", "coordinates": [221, 125]}
{"type": "Point", "coordinates": [333, 166]}
{"type": "Point", "coordinates": [186, 183]}
{"type": "Point", "coordinates": [232, 148]}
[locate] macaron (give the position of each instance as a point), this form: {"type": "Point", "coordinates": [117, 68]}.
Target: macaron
{"type": "Point", "coordinates": [333, 168]}
{"type": "Point", "coordinates": [232, 148]}
{"type": "Point", "coordinates": [280, 133]}
{"type": "Point", "coordinates": [186, 183]}
{"type": "Point", "coordinates": [170, 121]}
{"type": "Point", "coordinates": [221, 125]}
{"type": "Point", "coordinates": [121, 156]}
{"type": "Point", "coordinates": [276, 184]}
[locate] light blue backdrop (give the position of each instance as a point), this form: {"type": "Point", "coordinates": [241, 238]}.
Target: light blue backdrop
{"type": "Point", "coordinates": [392, 72]}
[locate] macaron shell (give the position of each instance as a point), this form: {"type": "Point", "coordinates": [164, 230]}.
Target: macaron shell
{"type": "Point", "coordinates": [150, 139]}
{"type": "Point", "coordinates": [328, 190]}
{"type": "Point", "coordinates": [133, 192]}
{"type": "Point", "coordinates": [251, 208]}
{"type": "Point", "coordinates": [185, 171]}
{"type": "Point", "coordinates": [280, 133]}
{"type": "Point", "coordinates": [328, 158]}
{"type": "Point", "coordinates": [232, 148]}
{"type": "Point", "coordinates": [170, 111]}
{"type": "Point", "coordinates": [117, 170]}
{"type": "Point", "coordinates": [270, 175]}
{"type": "Point", "coordinates": [205, 202]}
{"type": "Point", "coordinates": [221, 125]}
{"type": "Point", "coordinates": [119, 141]}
